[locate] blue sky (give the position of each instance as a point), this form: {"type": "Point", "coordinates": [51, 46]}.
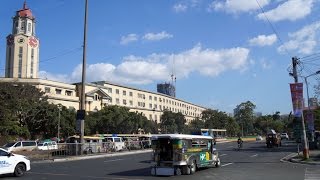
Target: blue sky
{"type": "Point", "coordinates": [223, 52]}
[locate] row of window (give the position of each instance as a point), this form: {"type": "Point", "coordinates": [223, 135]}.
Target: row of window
{"type": "Point", "coordinates": [58, 91]}
{"type": "Point", "coordinates": [154, 98]}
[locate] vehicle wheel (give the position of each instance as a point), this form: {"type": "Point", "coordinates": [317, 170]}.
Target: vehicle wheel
{"type": "Point", "coordinates": [19, 170]}
{"type": "Point", "coordinates": [193, 167]}
{"type": "Point", "coordinates": [218, 163]}
{"type": "Point", "coordinates": [178, 171]}
{"type": "Point", "coordinates": [186, 170]}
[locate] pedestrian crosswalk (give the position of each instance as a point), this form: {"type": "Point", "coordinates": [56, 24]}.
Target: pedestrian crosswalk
{"type": "Point", "coordinates": [312, 174]}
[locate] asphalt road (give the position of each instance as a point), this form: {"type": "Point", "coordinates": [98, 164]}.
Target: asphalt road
{"type": "Point", "coordinates": [254, 161]}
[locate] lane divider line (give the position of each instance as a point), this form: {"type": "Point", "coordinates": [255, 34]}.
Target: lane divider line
{"type": "Point", "coordinates": [226, 164]}
{"type": "Point", "coordinates": [222, 155]}
{"type": "Point", "coordinates": [254, 155]}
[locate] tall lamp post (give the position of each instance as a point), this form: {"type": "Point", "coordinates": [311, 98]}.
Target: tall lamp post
{"type": "Point", "coordinates": [308, 101]}
{"type": "Point", "coordinates": [59, 109]}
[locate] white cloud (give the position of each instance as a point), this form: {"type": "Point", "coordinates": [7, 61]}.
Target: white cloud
{"type": "Point", "coordinates": [263, 40]}
{"type": "Point", "coordinates": [128, 39]}
{"type": "Point", "coordinates": [304, 40]}
{"type": "Point", "coordinates": [157, 36]}
{"type": "Point", "coordinates": [180, 7]}
{"type": "Point", "coordinates": [158, 67]}
{"type": "Point", "coordinates": [290, 10]}
{"type": "Point", "coordinates": [183, 6]}
{"type": "Point", "coordinates": [236, 6]}
{"type": "Point", "coordinates": [53, 77]}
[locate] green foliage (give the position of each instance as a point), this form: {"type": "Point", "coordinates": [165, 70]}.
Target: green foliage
{"type": "Point", "coordinates": [245, 117]}
{"type": "Point", "coordinates": [214, 119]}
{"type": "Point", "coordinates": [173, 122]}
{"type": "Point", "coordinates": [116, 119]}
{"type": "Point", "coordinates": [25, 112]}
{"type": "Point", "coordinates": [195, 125]}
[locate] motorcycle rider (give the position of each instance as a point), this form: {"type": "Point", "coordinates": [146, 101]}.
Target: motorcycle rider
{"type": "Point", "coordinates": [239, 141]}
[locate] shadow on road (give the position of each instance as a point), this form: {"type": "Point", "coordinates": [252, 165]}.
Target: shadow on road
{"type": "Point", "coordinates": [135, 172]}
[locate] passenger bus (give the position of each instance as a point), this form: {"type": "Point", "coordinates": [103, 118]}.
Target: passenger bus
{"type": "Point", "coordinates": [176, 154]}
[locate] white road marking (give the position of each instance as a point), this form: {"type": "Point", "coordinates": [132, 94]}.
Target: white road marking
{"type": "Point", "coordinates": [312, 174]}
{"type": "Point", "coordinates": [254, 155]}
{"type": "Point", "coordinates": [222, 155]}
{"type": "Point", "coordinates": [226, 164]}
{"type": "Point", "coordinates": [230, 147]}
{"type": "Point", "coordinates": [113, 160]}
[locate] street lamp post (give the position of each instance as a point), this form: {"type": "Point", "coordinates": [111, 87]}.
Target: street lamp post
{"type": "Point", "coordinates": [58, 136]}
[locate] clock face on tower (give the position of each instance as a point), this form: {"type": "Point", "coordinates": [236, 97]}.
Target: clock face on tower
{"type": "Point", "coordinates": [10, 40]}
{"type": "Point", "coordinates": [33, 42]}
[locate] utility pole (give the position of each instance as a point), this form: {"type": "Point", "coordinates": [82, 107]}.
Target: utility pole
{"type": "Point", "coordinates": [82, 110]}
{"type": "Point", "coordinates": [305, 143]}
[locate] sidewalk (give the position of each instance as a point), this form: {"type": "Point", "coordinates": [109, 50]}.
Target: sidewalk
{"type": "Point", "coordinates": [94, 156]}
{"type": "Point", "coordinates": [314, 158]}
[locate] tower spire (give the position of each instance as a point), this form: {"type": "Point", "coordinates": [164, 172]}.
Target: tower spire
{"type": "Point", "coordinates": [25, 4]}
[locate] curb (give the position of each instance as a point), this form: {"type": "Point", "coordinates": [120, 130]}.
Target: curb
{"type": "Point", "coordinates": [304, 162]}
{"type": "Point", "coordinates": [288, 157]}
{"type": "Point", "coordinates": [291, 159]}
{"type": "Point", "coordinates": [91, 157]}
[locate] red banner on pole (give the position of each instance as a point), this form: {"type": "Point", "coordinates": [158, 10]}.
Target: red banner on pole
{"type": "Point", "coordinates": [297, 98]}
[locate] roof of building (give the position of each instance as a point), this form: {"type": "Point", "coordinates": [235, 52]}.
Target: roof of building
{"type": "Point", "coordinates": [25, 11]}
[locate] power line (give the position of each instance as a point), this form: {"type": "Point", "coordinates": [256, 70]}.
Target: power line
{"type": "Point", "coordinates": [49, 59]}
{"type": "Point", "coordinates": [273, 28]}
{"type": "Point", "coordinates": [305, 57]}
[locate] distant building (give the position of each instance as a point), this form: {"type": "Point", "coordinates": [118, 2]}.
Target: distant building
{"type": "Point", "coordinates": [313, 102]}
{"type": "Point", "coordinates": [22, 65]}
{"type": "Point", "coordinates": [167, 89]}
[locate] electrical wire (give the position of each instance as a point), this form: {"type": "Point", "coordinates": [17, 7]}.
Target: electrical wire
{"type": "Point", "coordinates": [273, 28]}
{"type": "Point", "coordinates": [49, 59]}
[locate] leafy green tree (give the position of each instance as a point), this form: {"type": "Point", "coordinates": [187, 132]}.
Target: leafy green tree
{"type": "Point", "coordinates": [245, 116]}
{"type": "Point", "coordinates": [21, 104]}
{"type": "Point", "coordinates": [196, 125]}
{"type": "Point", "coordinates": [172, 122]}
{"type": "Point", "coordinates": [232, 127]}
{"type": "Point", "coordinates": [116, 119]}
{"type": "Point", "coordinates": [215, 119]}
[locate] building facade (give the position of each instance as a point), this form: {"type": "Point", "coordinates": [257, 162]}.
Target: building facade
{"type": "Point", "coordinates": [22, 66]}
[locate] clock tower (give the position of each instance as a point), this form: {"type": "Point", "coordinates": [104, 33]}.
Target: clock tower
{"type": "Point", "coordinates": [22, 55]}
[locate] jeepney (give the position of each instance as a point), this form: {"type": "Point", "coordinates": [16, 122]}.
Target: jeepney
{"type": "Point", "coordinates": [176, 154]}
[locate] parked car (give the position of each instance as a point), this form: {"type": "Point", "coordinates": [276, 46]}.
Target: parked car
{"type": "Point", "coordinates": [20, 146]}
{"type": "Point", "coordinates": [259, 138]}
{"type": "Point", "coordinates": [48, 145]}
{"type": "Point", "coordinates": [284, 136]}
{"type": "Point", "coordinates": [13, 163]}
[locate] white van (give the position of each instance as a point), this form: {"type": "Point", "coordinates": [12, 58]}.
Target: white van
{"type": "Point", "coordinates": [118, 144]}
{"type": "Point", "coordinates": [20, 146]}
{"type": "Point", "coordinates": [48, 145]}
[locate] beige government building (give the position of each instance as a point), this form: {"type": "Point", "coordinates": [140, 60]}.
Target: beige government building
{"type": "Point", "coordinates": [22, 65]}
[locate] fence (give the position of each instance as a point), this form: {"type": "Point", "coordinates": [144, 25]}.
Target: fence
{"type": "Point", "coordinates": [74, 149]}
